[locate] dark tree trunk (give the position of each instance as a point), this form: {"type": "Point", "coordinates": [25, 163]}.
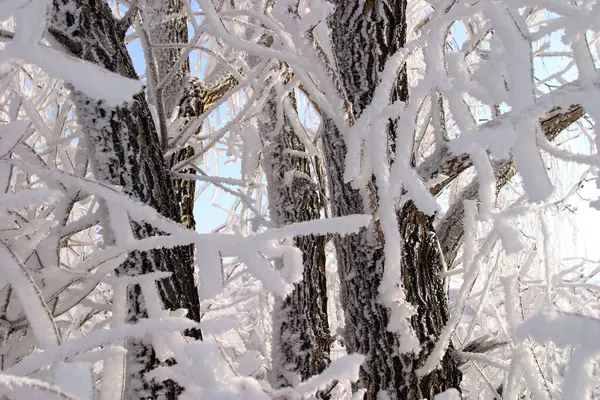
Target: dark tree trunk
{"type": "Point", "coordinates": [301, 330]}
{"type": "Point", "coordinates": [125, 150]}
{"type": "Point", "coordinates": [421, 268]}
{"type": "Point", "coordinates": [167, 24]}
{"type": "Point", "coordinates": [365, 35]}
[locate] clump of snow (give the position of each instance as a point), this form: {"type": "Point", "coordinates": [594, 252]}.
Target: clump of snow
{"type": "Point", "coordinates": [450, 394]}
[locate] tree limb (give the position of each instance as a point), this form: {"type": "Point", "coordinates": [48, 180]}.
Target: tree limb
{"type": "Point", "coordinates": [453, 165]}
{"type": "Point", "coordinates": [450, 231]}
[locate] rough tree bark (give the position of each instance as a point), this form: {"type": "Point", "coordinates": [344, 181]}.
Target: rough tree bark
{"type": "Point", "coordinates": [178, 94]}
{"type": "Point", "coordinates": [124, 150]}
{"type": "Point", "coordinates": [379, 30]}
{"type": "Point", "coordinates": [167, 24]}
{"type": "Point", "coordinates": [301, 338]}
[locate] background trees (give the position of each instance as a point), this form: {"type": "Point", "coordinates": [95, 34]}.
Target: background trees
{"type": "Point", "coordinates": [425, 131]}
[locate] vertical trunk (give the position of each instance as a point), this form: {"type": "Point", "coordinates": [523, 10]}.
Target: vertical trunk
{"type": "Point", "coordinates": [124, 150]}
{"type": "Point", "coordinates": [360, 266]}
{"type": "Point", "coordinates": [379, 29]}
{"type": "Point", "coordinates": [421, 268]}
{"type": "Point", "coordinates": [167, 24]}
{"type": "Point", "coordinates": [301, 330]}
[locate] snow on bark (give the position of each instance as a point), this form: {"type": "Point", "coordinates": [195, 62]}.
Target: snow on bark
{"type": "Point", "coordinates": [83, 75]}
{"type": "Point", "coordinates": [124, 148]}
{"type": "Point", "coordinates": [380, 30]}
{"type": "Point", "coordinates": [167, 24]}
{"type": "Point", "coordinates": [360, 266]}
{"type": "Point", "coordinates": [301, 330]}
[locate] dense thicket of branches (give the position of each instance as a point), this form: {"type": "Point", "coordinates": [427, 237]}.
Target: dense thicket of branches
{"type": "Point", "coordinates": [420, 138]}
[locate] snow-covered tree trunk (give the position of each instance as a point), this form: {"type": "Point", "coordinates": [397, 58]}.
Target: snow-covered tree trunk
{"type": "Point", "coordinates": [166, 22]}
{"type": "Point", "coordinates": [177, 94]}
{"type": "Point", "coordinates": [379, 30]}
{"type": "Point", "coordinates": [124, 149]}
{"type": "Point", "coordinates": [300, 327]}
{"type": "Point", "coordinates": [167, 25]}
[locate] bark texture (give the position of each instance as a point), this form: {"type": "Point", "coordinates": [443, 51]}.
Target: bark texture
{"type": "Point", "coordinates": [167, 24]}
{"type": "Point", "coordinates": [179, 94]}
{"type": "Point", "coordinates": [378, 31]}
{"type": "Point", "coordinates": [193, 101]}
{"type": "Point", "coordinates": [125, 150]}
{"type": "Point", "coordinates": [301, 330]}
